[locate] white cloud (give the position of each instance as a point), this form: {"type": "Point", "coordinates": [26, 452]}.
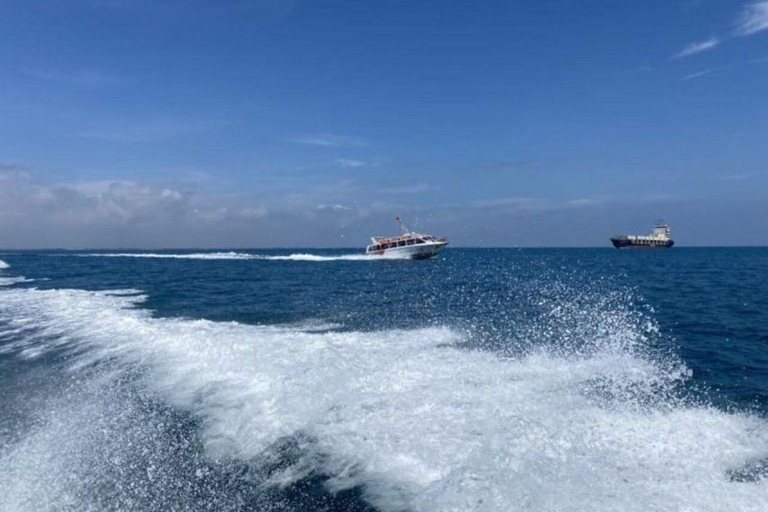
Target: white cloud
{"type": "Point", "coordinates": [542, 205]}
{"type": "Point", "coordinates": [118, 203]}
{"type": "Point", "coordinates": [517, 203]}
{"type": "Point", "coordinates": [10, 173]}
{"type": "Point", "coordinates": [697, 75]}
{"type": "Point", "coordinates": [24, 201]}
{"type": "Point", "coordinates": [223, 215]}
{"type": "Point", "coordinates": [582, 203]}
{"type": "Point", "coordinates": [131, 213]}
{"type": "Point", "coordinates": [254, 212]}
{"type": "Point", "coordinates": [350, 163]}
{"type": "Point", "coordinates": [334, 207]}
{"type": "Point", "coordinates": [697, 47]}
{"type": "Point", "coordinates": [328, 140]}
{"type": "Point", "coordinates": [753, 19]}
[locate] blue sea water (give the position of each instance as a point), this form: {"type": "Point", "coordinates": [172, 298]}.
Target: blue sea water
{"type": "Point", "coordinates": [486, 379]}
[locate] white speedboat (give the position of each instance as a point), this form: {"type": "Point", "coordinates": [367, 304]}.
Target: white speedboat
{"type": "Point", "coordinates": [417, 246]}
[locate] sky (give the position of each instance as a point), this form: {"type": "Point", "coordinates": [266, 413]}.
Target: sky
{"type": "Point", "coordinates": [297, 123]}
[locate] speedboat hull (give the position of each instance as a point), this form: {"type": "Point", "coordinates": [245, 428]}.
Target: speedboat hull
{"type": "Point", "coordinates": [422, 251]}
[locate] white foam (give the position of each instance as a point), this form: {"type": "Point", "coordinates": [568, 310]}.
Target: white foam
{"type": "Point", "coordinates": [419, 422]}
{"type": "Point", "coordinates": [343, 257]}
{"type": "Point", "coordinates": [4, 265]}
{"type": "Point", "coordinates": [193, 256]}
{"type": "Point", "coordinates": [248, 256]}
{"type": "Point", "coordinates": [8, 281]}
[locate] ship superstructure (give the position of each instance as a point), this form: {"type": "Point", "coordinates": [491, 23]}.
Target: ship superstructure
{"type": "Point", "coordinates": [659, 238]}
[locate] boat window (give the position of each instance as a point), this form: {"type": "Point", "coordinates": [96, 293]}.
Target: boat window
{"type": "Point", "coordinates": [410, 242]}
{"type": "Point", "coordinates": [400, 243]}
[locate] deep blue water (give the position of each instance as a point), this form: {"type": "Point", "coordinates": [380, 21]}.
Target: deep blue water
{"type": "Point", "coordinates": [486, 379]}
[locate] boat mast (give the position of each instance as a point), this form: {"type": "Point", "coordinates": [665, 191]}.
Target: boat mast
{"type": "Point", "coordinates": [402, 226]}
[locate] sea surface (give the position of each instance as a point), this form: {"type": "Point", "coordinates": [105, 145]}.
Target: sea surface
{"type": "Point", "coordinates": [295, 380]}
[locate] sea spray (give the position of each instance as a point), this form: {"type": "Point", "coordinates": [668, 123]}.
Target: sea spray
{"type": "Point", "coordinates": [412, 418]}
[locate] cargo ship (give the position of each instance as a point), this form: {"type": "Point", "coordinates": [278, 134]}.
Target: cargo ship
{"type": "Point", "coordinates": [659, 238]}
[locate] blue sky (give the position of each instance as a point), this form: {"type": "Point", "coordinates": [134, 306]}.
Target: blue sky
{"type": "Point", "coordinates": [294, 123]}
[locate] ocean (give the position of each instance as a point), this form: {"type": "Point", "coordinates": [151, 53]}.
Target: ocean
{"type": "Point", "coordinates": [294, 380]}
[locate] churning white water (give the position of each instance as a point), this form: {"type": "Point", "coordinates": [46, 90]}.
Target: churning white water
{"type": "Point", "coordinates": [418, 422]}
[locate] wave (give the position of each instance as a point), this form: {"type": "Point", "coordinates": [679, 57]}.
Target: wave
{"type": "Point", "coordinates": [9, 281]}
{"type": "Point", "coordinates": [4, 265]}
{"type": "Point", "coordinates": [416, 421]}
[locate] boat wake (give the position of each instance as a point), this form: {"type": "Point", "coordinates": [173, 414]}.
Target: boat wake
{"type": "Point", "coordinates": [249, 256]}
{"type": "Point", "coordinates": [4, 265]}
{"type": "Point", "coordinates": [192, 256]}
{"type": "Point", "coordinates": [9, 281]}
{"type": "Point", "coordinates": [343, 257]}
{"type": "Point", "coordinates": [407, 416]}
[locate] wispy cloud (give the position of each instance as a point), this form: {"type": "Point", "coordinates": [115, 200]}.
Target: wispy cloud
{"type": "Point", "coordinates": [350, 163]}
{"type": "Point", "coordinates": [762, 60]}
{"type": "Point", "coordinates": [517, 203]}
{"type": "Point", "coordinates": [85, 77]}
{"type": "Point", "coordinates": [416, 188]}
{"type": "Point", "coordinates": [533, 204]}
{"type": "Point", "coordinates": [697, 47]}
{"type": "Point", "coordinates": [328, 140]}
{"type": "Point", "coordinates": [90, 203]}
{"type": "Point", "coordinates": [753, 19]}
{"type": "Point", "coordinates": [334, 207]}
{"type": "Point", "coordinates": [15, 171]}
{"type": "Point", "coordinates": [582, 203]}
{"type": "Point", "coordinates": [697, 75]}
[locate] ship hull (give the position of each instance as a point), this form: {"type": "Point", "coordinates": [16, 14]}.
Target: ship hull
{"type": "Point", "coordinates": [415, 252]}
{"type": "Point", "coordinates": [622, 243]}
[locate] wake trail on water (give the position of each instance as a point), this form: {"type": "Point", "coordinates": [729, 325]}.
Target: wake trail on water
{"type": "Point", "coordinates": [9, 281]}
{"type": "Point", "coordinates": [247, 256]}
{"type": "Point", "coordinates": [343, 257]}
{"type": "Point", "coordinates": [194, 256]}
{"type": "Point", "coordinates": [407, 415]}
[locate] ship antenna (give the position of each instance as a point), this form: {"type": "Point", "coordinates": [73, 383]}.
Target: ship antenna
{"type": "Point", "coordinates": [402, 226]}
